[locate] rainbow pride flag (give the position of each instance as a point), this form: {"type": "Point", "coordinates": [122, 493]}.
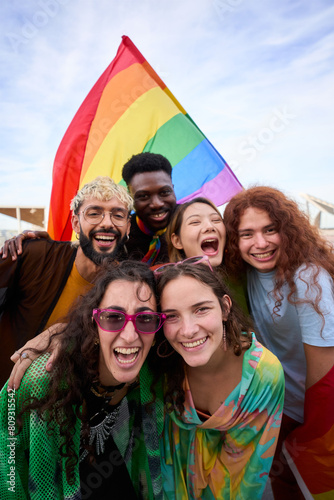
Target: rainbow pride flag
{"type": "Point", "coordinates": [130, 110]}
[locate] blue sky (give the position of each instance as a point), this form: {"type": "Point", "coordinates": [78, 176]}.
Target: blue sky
{"type": "Point", "coordinates": [257, 78]}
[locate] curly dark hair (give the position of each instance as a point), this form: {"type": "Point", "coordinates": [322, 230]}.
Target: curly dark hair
{"type": "Point", "coordinates": [77, 361]}
{"type": "Point", "coordinates": [301, 243]}
{"type": "Point", "coordinates": [145, 162]}
{"type": "Point", "coordinates": [236, 323]}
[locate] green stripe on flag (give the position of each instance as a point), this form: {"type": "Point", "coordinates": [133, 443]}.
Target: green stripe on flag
{"type": "Point", "coordinates": [179, 131]}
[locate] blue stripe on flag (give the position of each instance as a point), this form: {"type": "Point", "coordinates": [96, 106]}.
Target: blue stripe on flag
{"type": "Point", "coordinates": [200, 166]}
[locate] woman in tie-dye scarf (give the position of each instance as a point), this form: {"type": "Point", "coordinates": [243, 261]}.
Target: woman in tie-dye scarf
{"type": "Point", "coordinates": [224, 391]}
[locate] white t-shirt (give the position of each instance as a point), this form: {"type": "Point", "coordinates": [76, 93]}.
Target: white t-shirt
{"type": "Point", "coordinates": [285, 334]}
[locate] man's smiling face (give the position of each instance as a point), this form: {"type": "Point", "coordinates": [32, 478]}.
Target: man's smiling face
{"type": "Point", "coordinates": [154, 198]}
{"type": "Point", "coordinates": [105, 238]}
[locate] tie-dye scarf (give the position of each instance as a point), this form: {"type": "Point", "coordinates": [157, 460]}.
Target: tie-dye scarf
{"type": "Point", "coordinates": [229, 455]}
{"type": "Point", "coordinates": [155, 244]}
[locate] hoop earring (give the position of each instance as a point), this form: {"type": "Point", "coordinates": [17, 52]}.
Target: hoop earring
{"type": "Point", "coordinates": [97, 341]}
{"type": "Point", "coordinates": [165, 353]}
{"type": "Point", "coordinates": [224, 337]}
{"type": "Point", "coordinates": [77, 236]}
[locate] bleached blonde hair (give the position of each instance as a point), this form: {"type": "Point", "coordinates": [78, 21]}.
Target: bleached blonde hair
{"type": "Point", "coordinates": [102, 188]}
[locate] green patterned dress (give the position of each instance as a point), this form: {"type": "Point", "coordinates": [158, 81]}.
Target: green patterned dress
{"type": "Point", "coordinates": [31, 466]}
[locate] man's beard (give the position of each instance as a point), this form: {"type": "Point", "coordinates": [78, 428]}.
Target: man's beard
{"type": "Point", "coordinates": [99, 257]}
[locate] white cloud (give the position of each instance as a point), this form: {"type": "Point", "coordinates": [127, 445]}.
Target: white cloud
{"type": "Point", "coordinates": [231, 63]}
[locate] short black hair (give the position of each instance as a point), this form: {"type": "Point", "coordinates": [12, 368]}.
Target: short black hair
{"type": "Point", "coordinates": [145, 162]}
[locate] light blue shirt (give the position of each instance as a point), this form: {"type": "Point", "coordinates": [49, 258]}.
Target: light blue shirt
{"type": "Point", "coordinates": [285, 334]}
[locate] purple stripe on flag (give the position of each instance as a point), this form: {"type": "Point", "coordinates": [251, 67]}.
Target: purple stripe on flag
{"type": "Point", "coordinates": [219, 190]}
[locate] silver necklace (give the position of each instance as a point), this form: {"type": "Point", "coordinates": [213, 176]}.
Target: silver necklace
{"type": "Point", "coordinates": [99, 433]}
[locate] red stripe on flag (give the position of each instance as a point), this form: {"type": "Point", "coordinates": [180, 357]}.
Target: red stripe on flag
{"type": "Point", "coordinates": [69, 157]}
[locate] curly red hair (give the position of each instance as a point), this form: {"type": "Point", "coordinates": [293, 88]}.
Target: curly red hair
{"type": "Point", "coordinates": [301, 243]}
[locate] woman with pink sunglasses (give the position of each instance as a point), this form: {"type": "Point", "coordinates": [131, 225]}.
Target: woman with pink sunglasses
{"type": "Point", "coordinates": [87, 430]}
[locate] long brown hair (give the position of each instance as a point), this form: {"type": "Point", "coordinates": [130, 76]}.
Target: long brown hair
{"type": "Point", "coordinates": [236, 324]}
{"type": "Point", "coordinates": [175, 255]}
{"type": "Point", "coordinates": [301, 243]}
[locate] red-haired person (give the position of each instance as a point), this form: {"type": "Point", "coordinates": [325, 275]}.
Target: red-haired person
{"type": "Point", "coordinates": [290, 270]}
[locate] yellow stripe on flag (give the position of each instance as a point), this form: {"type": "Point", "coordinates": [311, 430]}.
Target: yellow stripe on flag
{"type": "Point", "coordinates": [130, 134]}
{"type": "Point", "coordinates": [171, 96]}
{"type": "Point", "coordinates": [118, 95]}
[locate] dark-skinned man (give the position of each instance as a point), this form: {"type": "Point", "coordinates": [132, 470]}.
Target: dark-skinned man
{"type": "Point", "coordinates": [149, 180]}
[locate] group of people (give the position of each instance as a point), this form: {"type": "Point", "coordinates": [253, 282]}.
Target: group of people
{"type": "Point", "coordinates": [149, 379]}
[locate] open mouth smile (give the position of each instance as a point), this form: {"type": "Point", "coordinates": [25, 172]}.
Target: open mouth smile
{"type": "Point", "coordinates": [105, 239]}
{"type": "Point", "coordinates": [265, 255]}
{"type": "Point", "coordinates": [196, 343]}
{"type": "Point", "coordinates": [126, 355]}
{"type": "Point", "coordinates": [210, 246]}
{"type": "Point", "coordinates": [159, 216]}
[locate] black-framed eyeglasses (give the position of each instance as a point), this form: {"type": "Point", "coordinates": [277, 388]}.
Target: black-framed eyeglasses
{"type": "Point", "coordinates": [111, 320]}
{"type": "Point", "coordinates": [95, 215]}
